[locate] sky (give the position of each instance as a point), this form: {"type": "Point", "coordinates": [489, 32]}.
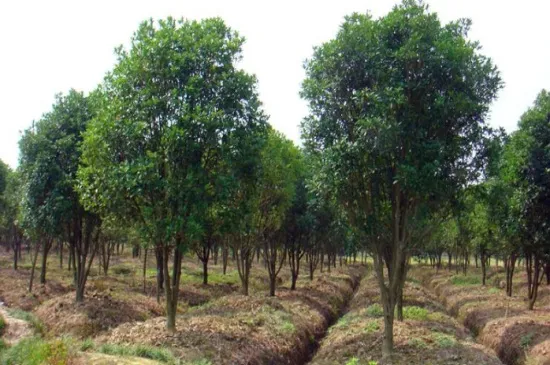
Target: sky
{"type": "Point", "coordinates": [47, 47]}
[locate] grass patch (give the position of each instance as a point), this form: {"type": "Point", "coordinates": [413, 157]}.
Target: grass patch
{"type": "Point", "coordinates": [466, 280]}
{"type": "Point", "coordinates": [371, 327]}
{"type": "Point", "coordinates": [36, 323]}
{"type": "Point", "coordinates": [35, 351]}
{"type": "Point", "coordinates": [87, 344]}
{"type": "Point", "coordinates": [493, 291]}
{"type": "Point", "coordinates": [287, 327]}
{"type": "Point", "coordinates": [147, 352]}
{"type": "Point", "coordinates": [375, 310]}
{"type": "Point", "coordinates": [442, 340]}
{"type": "Point", "coordinates": [415, 313]}
{"type": "Point", "coordinates": [525, 340]}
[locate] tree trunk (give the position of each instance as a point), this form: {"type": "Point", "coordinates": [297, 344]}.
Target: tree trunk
{"type": "Point", "coordinates": [483, 258]}
{"type": "Point", "coordinates": [46, 249]}
{"type": "Point", "coordinates": [171, 287]}
{"type": "Point", "coordinates": [205, 272]}
{"type": "Point", "coordinates": [225, 258]}
{"type": "Point", "coordinates": [34, 259]}
{"type": "Point", "coordinates": [510, 266]}
{"type": "Point", "coordinates": [145, 271]}
{"type": "Point", "coordinates": [160, 269]}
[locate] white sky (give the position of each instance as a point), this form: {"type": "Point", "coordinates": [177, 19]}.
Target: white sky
{"type": "Point", "coordinates": [50, 46]}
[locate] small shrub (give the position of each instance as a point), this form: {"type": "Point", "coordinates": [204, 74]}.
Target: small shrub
{"type": "Point", "coordinates": [442, 340]}
{"type": "Point", "coordinates": [375, 310]}
{"type": "Point", "coordinates": [353, 361]}
{"type": "Point", "coordinates": [415, 313]}
{"type": "Point", "coordinates": [525, 340]}
{"type": "Point", "coordinates": [372, 326]}
{"type": "Point", "coordinates": [466, 280]}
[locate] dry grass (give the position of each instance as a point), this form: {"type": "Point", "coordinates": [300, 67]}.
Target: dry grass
{"type": "Point", "coordinates": [502, 323]}
{"type": "Point", "coordinates": [251, 330]}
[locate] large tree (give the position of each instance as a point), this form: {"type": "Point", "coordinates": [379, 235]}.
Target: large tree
{"type": "Point", "coordinates": [176, 128]}
{"type": "Point", "coordinates": [397, 113]}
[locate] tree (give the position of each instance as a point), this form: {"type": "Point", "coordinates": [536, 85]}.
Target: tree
{"type": "Point", "coordinates": [280, 166]}
{"type": "Point", "coordinates": [397, 109]}
{"type": "Point", "coordinates": [50, 155]}
{"type": "Point", "coordinates": [177, 115]}
{"type": "Point", "coordinates": [527, 156]}
{"type": "Point", "coordinates": [10, 213]}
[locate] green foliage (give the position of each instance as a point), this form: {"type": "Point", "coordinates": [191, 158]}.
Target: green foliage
{"type": "Point", "coordinates": [375, 310]}
{"type": "Point", "coordinates": [526, 340]}
{"type": "Point", "coordinates": [353, 361]}
{"type": "Point", "coordinates": [148, 352]}
{"type": "Point", "coordinates": [415, 313]}
{"type": "Point", "coordinates": [36, 351]}
{"type": "Point", "coordinates": [443, 340]}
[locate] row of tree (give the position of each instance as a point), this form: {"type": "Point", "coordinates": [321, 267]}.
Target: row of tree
{"type": "Point", "coordinates": [173, 153]}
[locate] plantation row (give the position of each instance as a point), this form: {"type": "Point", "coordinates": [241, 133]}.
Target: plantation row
{"type": "Point", "coordinates": [172, 156]}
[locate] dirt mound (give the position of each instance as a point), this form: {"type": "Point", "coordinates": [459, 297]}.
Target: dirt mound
{"type": "Point", "coordinates": [99, 312]}
{"type": "Point", "coordinates": [426, 336]}
{"type": "Point", "coordinates": [502, 323]}
{"type": "Point", "coordinates": [250, 330]}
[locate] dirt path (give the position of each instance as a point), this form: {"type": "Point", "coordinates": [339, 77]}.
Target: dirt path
{"type": "Point", "coordinates": [16, 329]}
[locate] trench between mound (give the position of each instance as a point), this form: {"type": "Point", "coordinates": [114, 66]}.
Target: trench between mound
{"type": "Point", "coordinates": [314, 346]}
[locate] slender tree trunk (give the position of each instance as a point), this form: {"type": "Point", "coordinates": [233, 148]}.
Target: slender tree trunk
{"type": "Point", "coordinates": [45, 251]}
{"type": "Point", "coordinates": [34, 259]}
{"type": "Point", "coordinates": [159, 255]}
{"type": "Point", "coordinates": [145, 271]}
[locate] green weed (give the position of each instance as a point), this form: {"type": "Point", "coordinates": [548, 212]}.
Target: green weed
{"type": "Point", "coordinates": [372, 326]}
{"type": "Point", "coordinates": [442, 340]}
